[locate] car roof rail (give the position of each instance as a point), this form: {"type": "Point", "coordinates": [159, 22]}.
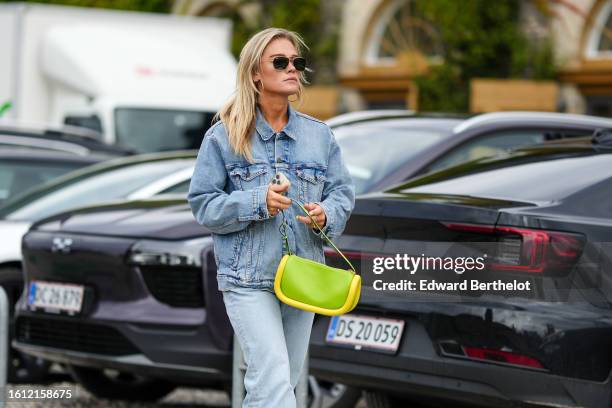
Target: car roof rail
{"type": "Point", "coordinates": [74, 131]}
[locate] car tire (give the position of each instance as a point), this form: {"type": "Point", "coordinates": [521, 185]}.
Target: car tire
{"type": "Point", "coordinates": [325, 394]}
{"type": "Point", "coordinates": [22, 368]}
{"type": "Point", "coordinates": [117, 385]}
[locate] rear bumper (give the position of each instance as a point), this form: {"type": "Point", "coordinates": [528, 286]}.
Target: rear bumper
{"type": "Point", "coordinates": [418, 370]}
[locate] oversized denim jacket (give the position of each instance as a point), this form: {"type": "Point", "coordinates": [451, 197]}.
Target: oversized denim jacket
{"type": "Point", "coordinates": [227, 195]}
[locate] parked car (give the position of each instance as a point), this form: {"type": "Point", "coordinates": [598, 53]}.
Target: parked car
{"type": "Point", "coordinates": [147, 307]}
{"type": "Point", "coordinates": [543, 213]}
{"type": "Point", "coordinates": [69, 139]}
{"type": "Point", "coordinates": [366, 115]}
{"type": "Point", "coordinates": [415, 145]}
{"type": "Point", "coordinates": [150, 307]}
{"type": "Point", "coordinates": [23, 169]}
{"type": "Point", "coordinates": [140, 247]}
{"type": "Point", "coordinates": [133, 177]}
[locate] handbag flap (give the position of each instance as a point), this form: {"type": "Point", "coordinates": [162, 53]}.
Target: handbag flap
{"type": "Point", "coordinates": [314, 283]}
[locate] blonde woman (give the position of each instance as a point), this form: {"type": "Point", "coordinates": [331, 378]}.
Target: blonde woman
{"type": "Point", "coordinates": [259, 135]}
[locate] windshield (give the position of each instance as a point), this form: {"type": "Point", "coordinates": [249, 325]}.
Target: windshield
{"type": "Point", "coordinates": [374, 149]}
{"type": "Point", "coordinates": [18, 176]}
{"type": "Point", "coordinates": [98, 188]}
{"type": "Point", "coordinates": [156, 130]}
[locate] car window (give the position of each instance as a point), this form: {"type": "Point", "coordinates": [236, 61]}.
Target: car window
{"type": "Point", "coordinates": [155, 130]}
{"type": "Point", "coordinates": [178, 188]}
{"type": "Point", "coordinates": [373, 150]}
{"type": "Point", "coordinates": [488, 145]}
{"type": "Point", "coordinates": [110, 185]}
{"type": "Point", "coordinates": [18, 176]}
{"type": "Point", "coordinates": [91, 122]}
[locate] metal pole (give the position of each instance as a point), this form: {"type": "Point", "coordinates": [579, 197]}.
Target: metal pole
{"type": "Point", "coordinates": [4, 334]}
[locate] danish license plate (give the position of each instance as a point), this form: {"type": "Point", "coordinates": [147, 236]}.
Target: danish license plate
{"type": "Point", "coordinates": [365, 332]}
{"type": "Point", "coordinates": [55, 296]}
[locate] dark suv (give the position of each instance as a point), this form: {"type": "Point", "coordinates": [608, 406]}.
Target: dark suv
{"type": "Point", "coordinates": [535, 329]}
{"type": "Point", "coordinates": [118, 300]}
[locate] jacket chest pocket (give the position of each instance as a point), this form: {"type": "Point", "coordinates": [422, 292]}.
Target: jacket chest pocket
{"type": "Point", "coordinates": [249, 177]}
{"type": "Point", "coordinates": [311, 181]}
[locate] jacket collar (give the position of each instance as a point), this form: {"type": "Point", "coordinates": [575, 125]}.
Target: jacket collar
{"type": "Point", "coordinates": [266, 132]}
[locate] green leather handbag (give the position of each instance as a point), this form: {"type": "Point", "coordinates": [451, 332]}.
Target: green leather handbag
{"type": "Point", "coordinates": [313, 286]}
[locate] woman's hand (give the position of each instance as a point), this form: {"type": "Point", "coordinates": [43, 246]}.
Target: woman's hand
{"type": "Point", "coordinates": [316, 212]}
{"type": "Point", "coordinates": [275, 201]}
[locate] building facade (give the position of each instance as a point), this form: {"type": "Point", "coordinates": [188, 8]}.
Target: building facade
{"type": "Point", "coordinates": [384, 44]}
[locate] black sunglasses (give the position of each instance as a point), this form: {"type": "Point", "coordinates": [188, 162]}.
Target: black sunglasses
{"type": "Point", "coordinates": [281, 63]}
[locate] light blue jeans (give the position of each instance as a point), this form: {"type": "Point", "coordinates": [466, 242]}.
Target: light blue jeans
{"type": "Point", "coordinates": [274, 339]}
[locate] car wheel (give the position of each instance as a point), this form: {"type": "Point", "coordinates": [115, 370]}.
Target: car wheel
{"type": "Point", "coordinates": [114, 384]}
{"type": "Point", "coordinates": [23, 368]}
{"type": "Point", "coordinates": [325, 394]}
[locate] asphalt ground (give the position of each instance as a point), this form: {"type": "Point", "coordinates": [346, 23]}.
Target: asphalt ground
{"type": "Point", "coordinates": [79, 397]}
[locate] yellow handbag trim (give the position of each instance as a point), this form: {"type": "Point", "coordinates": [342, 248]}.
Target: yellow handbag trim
{"type": "Point", "coordinates": [351, 299]}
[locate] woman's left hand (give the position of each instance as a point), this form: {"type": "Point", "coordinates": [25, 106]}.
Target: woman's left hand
{"type": "Point", "coordinates": [316, 212]}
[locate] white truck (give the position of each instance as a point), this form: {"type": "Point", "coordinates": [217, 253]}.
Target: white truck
{"type": "Point", "coordinates": [147, 81]}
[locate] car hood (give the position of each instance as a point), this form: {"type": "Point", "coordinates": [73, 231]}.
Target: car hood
{"type": "Point", "coordinates": [155, 218]}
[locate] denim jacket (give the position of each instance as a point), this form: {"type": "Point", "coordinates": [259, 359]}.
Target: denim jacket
{"type": "Point", "coordinates": [227, 195]}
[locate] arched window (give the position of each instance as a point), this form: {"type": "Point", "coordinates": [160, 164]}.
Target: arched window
{"type": "Point", "coordinates": [600, 38]}
{"type": "Point", "coordinates": [401, 30]}
{"type": "Point", "coordinates": [218, 9]}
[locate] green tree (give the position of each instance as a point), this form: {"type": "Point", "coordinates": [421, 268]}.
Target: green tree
{"type": "Point", "coordinates": [156, 6]}
{"type": "Point", "coordinates": [302, 16]}
{"type": "Point", "coordinates": [482, 39]}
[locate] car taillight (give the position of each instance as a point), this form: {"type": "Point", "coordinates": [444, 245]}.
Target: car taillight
{"type": "Point", "coordinates": [529, 250]}
{"type": "Point", "coordinates": [451, 348]}
{"type": "Point", "coordinates": [500, 356]}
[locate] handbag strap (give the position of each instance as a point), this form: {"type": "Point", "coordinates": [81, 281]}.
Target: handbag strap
{"type": "Point", "coordinates": [283, 232]}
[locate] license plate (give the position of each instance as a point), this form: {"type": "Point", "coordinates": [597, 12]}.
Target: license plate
{"type": "Point", "coordinates": [365, 332]}
{"type": "Point", "coordinates": [55, 296]}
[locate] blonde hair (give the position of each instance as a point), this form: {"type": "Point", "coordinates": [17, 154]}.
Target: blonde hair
{"type": "Point", "coordinates": [238, 114]}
